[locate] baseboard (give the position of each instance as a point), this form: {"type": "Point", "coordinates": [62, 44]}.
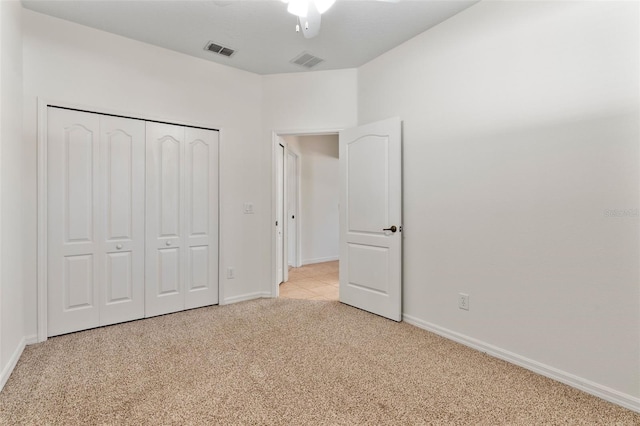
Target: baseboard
{"type": "Point", "coordinates": [8, 369]}
{"type": "Point", "coordinates": [30, 340]}
{"type": "Point", "coordinates": [319, 260]}
{"type": "Point", "coordinates": [248, 296]}
{"type": "Point", "coordinates": [604, 392]}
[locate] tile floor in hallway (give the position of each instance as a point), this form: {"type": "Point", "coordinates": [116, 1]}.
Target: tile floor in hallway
{"type": "Point", "coordinates": [312, 282]}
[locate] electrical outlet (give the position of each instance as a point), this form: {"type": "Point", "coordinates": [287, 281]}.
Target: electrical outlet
{"type": "Point", "coordinates": [463, 301]}
{"type": "Point", "coordinates": [231, 273]}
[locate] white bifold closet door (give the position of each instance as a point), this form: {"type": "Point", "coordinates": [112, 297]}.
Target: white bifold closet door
{"type": "Point", "coordinates": [181, 218]}
{"type": "Point", "coordinates": [101, 268]}
{"type": "Point", "coordinates": [95, 220]}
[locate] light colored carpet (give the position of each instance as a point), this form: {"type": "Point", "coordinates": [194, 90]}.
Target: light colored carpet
{"type": "Point", "coordinates": [278, 361]}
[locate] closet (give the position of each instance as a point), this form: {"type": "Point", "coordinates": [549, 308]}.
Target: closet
{"type": "Point", "coordinates": [132, 219]}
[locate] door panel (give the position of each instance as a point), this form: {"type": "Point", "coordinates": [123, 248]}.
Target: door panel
{"type": "Point", "coordinates": [79, 178]}
{"type": "Point", "coordinates": [119, 278]}
{"type": "Point", "coordinates": [164, 284]}
{"type": "Point", "coordinates": [202, 217]}
{"type": "Point", "coordinates": [78, 282]}
{"type": "Point", "coordinates": [169, 272]}
{"type": "Point", "coordinates": [369, 267]}
{"type": "Point", "coordinates": [119, 191]}
{"type": "Point", "coordinates": [199, 188]}
{"type": "Point", "coordinates": [122, 189]}
{"type": "Point", "coordinates": [198, 268]}
{"type": "Point", "coordinates": [169, 189]}
{"type": "Point", "coordinates": [182, 218]}
{"type": "Point", "coordinates": [370, 256]}
{"type": "Point", "coordinates": [73, 267]}
{"type": "Point", "coordinates": [368, 175]}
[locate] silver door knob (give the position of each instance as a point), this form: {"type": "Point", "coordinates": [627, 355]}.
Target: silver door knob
{"type": "Point", "coordinates": [168, 243]}
{"type": "Point", "coordinates": [119, 246]}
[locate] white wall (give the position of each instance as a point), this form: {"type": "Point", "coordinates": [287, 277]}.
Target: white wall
{"type": "Point", "coordinates": [319, 196]}
{"type": "Point", "coordinates": [72, 63]}
{"type": "Point", "coordinates": [11, 303]}
{"type": "Point", "coordinates": [520, 130]}
{"type": "Point", "coordinates": [299, 103]}
{"type": "Point", "coordinates": [322, 100]}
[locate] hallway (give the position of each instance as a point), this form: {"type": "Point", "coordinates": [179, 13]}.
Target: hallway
{"type": "Point", "coordinates": [318, 281]}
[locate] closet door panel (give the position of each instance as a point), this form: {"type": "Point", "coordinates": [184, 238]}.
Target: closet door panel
{"type": "Point", "coordinates": [198, 268]}
{"type": "Point", "coordinates": [165, 188]}
{"type": "Point", "coordinates": [78, 163]}
{"type": "Point", "coordinates": [78, 286]}
{"type": "Point", "coordinates": [169, 187]}
{"type": "Point", "coordinates": [119, 280]}
{"type": "Point", "coordinates": [73, 259]}
{"type": "Point", "coordinates": [122, 165]}
{"type": "Point", "coordinates": [202, 217]}
{"type": "Point", "coordinates": [169, 282]}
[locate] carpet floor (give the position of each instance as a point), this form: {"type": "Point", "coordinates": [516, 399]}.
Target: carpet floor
{"type": "Point", "coordinates": [279, 361]}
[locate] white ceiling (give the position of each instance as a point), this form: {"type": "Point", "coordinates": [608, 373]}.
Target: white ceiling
{"type": "Point", "coordinates": [262, 32]}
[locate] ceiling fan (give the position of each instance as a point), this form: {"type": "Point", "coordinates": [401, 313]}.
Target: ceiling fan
{"type": "Point", "coordinates": [308, 13]}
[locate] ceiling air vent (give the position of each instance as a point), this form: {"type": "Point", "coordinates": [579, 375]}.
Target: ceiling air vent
{"type": "Point", "coordinates": [220, 50]}
{"type": "Point", "coordinates": [306, 60]}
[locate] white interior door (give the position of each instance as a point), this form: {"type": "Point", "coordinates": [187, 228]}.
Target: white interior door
{"type": "Point", "coordinates": [73, 183]}
{"type": "Point", "coordinates": [292, 209]}
{"type": "Point", "coordinates": [279, 213]}
{"type": "Point", "coordinates": [201, 217]}
{"type": "Point", "coordinates": [370, 218]}
{"type": "Point", "coordinates": [122, 192]}
{"type": "Point", "coordinates": [181, 218]}
{"type": "Point", "coordinates": [165, 253]}
{"type": "Point", "coordinates": [95, 243]}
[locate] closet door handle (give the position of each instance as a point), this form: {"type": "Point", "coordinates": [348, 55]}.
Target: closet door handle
{"type": "Point", "coordinates": [118, 246]}
{"type": "Point", "coordinates": [392, 229]}
{"type": "Point", "coordinates": [168, 243]}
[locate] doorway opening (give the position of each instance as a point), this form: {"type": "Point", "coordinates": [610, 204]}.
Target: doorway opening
{"type": "Point", "coordinates": [307, 191]}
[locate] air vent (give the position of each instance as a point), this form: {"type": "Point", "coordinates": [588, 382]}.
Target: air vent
{"type": "Point", "coordinates": [220, 50]}
{"type": "Point", "coordinates": [306, 60]}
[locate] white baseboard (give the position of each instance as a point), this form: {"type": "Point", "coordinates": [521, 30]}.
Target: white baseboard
{"type": "Point", "coordinates": [30, 340]}
{"type": "Point", "coordinates": [604, 392]}
{"type": "Point", "coordinates": [319, 260]}
{"type": "Point", "coordinates": [248, 296]}
{"type": "Point", "coordinates": [8, 369]}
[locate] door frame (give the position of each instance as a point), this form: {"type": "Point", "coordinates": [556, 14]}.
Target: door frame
{"type": "Point", "coordinates": [275, 135]}
{"type": "Point", "coordinates": [42, 231]}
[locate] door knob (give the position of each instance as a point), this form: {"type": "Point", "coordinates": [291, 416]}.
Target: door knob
{"type": "Point", "coordinates": [392, 229]}
{"type": "Point", "coordinates": [168, 243]}
{"type": "Point", "coordinates": [118, 246]}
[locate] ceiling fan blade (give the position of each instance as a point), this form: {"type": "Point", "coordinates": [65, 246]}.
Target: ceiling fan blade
{"type": "Point", "coordinates": [299, 8]}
